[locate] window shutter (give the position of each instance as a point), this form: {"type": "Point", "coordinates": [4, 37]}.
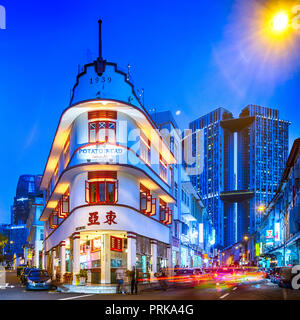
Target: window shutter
{"type": "Point", "coordinates": [143, 201]}
{"type": "Point", "coordinates": [170, 217]}
{"type": "Point", "coordinates": [153, 211]}
{"type": "Point", "coordinates": [104, 114]}
{"type": "Point", "coordinates": [166, 215]}
{"type": "Point", "coordinates": [53, 220]}
{"type": "Point", "coordinates": [162, 212]}
{"type": "Point", "coordinates": [116, 191]}
{"type": "Point", "coordinates": [149, 203]}
{"type": "Point", "coordinates": [87, 192]}
{"type": "Point", "coordinates": [102, 175]}
{"type": "Point", "coordinates": [64, 206]}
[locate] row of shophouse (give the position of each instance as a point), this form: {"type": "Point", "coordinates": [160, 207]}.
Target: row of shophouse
{"type": "Point", "coordinates": [277, 240]}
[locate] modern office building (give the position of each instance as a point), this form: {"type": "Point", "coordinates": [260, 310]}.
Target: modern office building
{"type": "Point", "coordinates": [34, 242]}
{"type": "Point", "coordinates": [26, 192]}
{"type": "Point", "coordinates": [233, 198]}
{"type": "Point", "coordinates": [211, 167]}
{"type": "Point", "coordinates": [192, 227]}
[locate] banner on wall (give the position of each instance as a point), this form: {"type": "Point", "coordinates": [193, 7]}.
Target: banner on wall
{"type": "Point", "coordinates": [100, 152]}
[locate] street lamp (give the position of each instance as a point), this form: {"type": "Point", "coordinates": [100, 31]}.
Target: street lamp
{"type": "Point", "coordinates": [280, 21]}
{"type": "Point", "coordinates": [246, 248]}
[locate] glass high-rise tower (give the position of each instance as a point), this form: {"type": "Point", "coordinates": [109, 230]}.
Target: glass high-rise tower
{"type": "Point", "coordinates": [262, 150]}
{"type": "Point", "coordinates": [213, 171]}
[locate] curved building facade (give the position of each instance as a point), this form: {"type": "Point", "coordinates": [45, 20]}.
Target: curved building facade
{"type": "Point", "coordinates": [106, 183]}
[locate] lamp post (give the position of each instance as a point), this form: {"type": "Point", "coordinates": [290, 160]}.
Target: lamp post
{"type": "Point", "coordinates": [246, 238]}
{"type": "Point", "coordinates": [280, 22]}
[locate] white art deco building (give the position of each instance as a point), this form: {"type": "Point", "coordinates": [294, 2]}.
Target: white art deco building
{"type": "Point", "coordinates": [106, 183]}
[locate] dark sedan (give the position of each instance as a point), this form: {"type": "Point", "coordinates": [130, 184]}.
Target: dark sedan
{"type": "Point", "coordinates": [38, 279]}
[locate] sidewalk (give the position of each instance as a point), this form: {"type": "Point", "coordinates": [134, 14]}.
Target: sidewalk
{"type": "Point", "coordinates": [104, 288]}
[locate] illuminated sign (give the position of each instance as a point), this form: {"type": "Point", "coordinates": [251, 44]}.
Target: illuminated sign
{"type": "Point", "coordinates": [18, 227]}
{"type": "Point", "coordinates": [269, 234]}
{"type": "Point", "coordinates": [96, 244]}
{"type": "Point", "coordinates": [116, 244]}
{"type": "Point", "coordinates": [277, 231]}
{"type": "Point", "coordinates": [200, 232]}
{"type": "Point", "coordinates": [29, 254]}
{"type": "Point", "coordinates": [257, 249]}
{"type": "Point", "coordinates": [100, 152]}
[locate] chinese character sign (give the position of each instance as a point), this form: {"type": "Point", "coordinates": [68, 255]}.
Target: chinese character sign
{"type": "Point", "coordinates": [116, 244]}
{"type": "Point", "coordinates": [93, 219]}
{"type": "Point", "coordinates": [110, 217]}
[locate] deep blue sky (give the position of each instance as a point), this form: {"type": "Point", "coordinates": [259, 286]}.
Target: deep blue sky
{"type": "Point", "coordinates": [189, 55]}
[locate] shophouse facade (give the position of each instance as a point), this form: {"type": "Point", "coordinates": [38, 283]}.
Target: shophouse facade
{"type": "Point", "coordinates": [107, 183]}
{"type": "Point", "coordinates": [277, 242]}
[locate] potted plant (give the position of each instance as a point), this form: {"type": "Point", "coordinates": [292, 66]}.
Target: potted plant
{"type": "Point", "coordinates": [82, 276]}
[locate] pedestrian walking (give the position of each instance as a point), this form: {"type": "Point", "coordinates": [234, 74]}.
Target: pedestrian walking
{"type": "Point", "coordinates": [161, 276]}
{"type": "Point", "coordinates": [134, 280]}
{"type": "Point", "coordinates": [120, 280]}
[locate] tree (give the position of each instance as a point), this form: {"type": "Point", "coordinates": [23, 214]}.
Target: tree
{"type": "Point", "coordinates": [3, 242]}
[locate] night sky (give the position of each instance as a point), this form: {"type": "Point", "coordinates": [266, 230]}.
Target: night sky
{"type": "Point", "coordinates": [192, 56]}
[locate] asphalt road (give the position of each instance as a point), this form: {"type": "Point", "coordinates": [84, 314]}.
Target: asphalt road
{"type": "Point", "coordinates": [259, 290]}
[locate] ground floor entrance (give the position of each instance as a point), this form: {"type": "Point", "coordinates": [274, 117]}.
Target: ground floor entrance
{"type": "Point", "coordinates": [95, 256]}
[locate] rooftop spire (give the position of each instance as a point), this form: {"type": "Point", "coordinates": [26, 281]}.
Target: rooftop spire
{"type": "Point", "coordinates": [100, 39]}
{"type": "Point", "coordinates": [100, 63]}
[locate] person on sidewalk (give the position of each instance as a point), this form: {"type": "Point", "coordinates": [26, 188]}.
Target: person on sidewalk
{"type": "Point", "coordinates": [161, 276]}
{"type": "Point", "coordinates": [120, 280]}
{"type": "Point", "coordinates": [134, 280]}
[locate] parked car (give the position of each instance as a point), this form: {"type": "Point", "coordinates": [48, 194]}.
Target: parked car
{"type": "Point", "coordinates": [24, 275]}
{"type": "Point", "coordinates": [38, 279]}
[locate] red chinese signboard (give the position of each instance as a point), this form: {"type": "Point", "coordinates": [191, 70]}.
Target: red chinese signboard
{"type": "Point", "coordinates": [116, 244]}
{"type": "Point", "coordinates": [110, 217]}
{"type": "Point", "coordinates": [93, 219]}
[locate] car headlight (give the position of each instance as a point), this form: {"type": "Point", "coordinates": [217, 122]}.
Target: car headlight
{"type": "Point", "coordinates": [31, 282]}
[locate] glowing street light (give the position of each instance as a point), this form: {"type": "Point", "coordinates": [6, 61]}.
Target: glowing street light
{"type": "Point", "coordinates": [246, 238]}
{"type": "Point", "coordinates": [261, 208]}
{"type": "Point", "coordinates": [280, 21]}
